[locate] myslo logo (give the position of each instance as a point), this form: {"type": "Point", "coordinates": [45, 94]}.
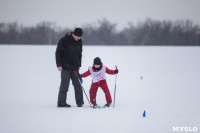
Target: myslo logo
{"type": "Point", "coordinates": [185, 129]}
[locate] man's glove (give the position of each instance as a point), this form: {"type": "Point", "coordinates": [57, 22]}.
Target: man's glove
{"type": "Point", "coordinates": [116, 71]}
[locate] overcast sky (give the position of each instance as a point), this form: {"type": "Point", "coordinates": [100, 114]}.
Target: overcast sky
{"type": "Point", "coordinates": [70, 13]}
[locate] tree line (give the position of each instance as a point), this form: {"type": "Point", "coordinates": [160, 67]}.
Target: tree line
{"type": "Point", "coordinates": [149, 32]}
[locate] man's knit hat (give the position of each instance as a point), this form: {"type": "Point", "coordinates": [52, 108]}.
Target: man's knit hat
{"type": "Point", "coordinates": [78, 32]}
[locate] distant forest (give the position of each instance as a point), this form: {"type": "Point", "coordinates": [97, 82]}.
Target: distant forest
{"type": "Point", "coordinates": [149, 32]}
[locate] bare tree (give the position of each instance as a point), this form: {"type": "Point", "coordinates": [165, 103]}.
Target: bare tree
{"type": "Point", "coordinates": [149, 32]}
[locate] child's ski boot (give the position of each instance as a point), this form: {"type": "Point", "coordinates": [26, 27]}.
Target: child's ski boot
{"type": "Point", "coordinates": [107, 105]}
{"type": "Point", "coordinates": [95, 106]}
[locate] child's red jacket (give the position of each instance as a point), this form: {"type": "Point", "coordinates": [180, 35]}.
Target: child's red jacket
{"type": "Point", "coordinates": [108, 71]}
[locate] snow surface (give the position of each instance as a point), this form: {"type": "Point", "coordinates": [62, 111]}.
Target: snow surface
{"type": "Point", "coordinates": [168, 91]}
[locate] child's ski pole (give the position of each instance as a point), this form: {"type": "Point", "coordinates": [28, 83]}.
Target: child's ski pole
{"type": "Point", "coordinates": [115, 88]}
{"type": "Point", "coordinates": [83, 88]}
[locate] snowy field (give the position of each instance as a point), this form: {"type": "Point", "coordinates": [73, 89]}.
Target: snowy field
{"type": "Point", "coordinates": [169, 91]}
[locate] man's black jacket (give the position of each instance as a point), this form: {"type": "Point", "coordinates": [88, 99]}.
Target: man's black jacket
{"type": "Point", "coordinates": [69, 52]}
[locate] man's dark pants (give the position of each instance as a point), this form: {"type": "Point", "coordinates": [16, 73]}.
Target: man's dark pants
{"type": "Point", "coordinates": [66, 75]}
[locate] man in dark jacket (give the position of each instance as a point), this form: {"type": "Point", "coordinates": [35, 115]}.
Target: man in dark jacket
{"type": "Point", "coordinates": [68, 60]}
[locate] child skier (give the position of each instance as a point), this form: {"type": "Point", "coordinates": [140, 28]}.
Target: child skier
{"type": "Point", "coordinates": [97, 72]}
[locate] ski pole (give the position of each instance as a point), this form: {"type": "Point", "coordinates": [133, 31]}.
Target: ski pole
{"type": "Point", "coordinates": [83, 89]}
{"type": "Point", "coordinates": [115, 88]}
